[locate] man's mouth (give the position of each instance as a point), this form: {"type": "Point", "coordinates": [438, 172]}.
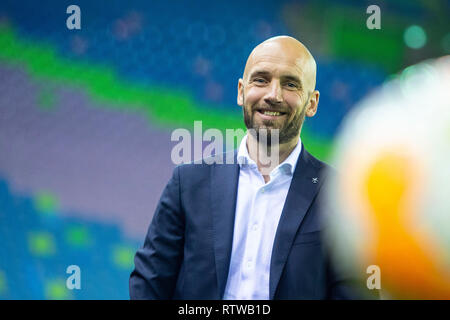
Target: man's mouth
{"type": "Point", "coordinates": [270, 113]}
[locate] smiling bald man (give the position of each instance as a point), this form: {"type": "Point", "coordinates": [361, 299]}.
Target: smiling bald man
{"type": "Point", "coordinates": [276, 92]}
{"type": "Point", "coordinates": [249, 230]}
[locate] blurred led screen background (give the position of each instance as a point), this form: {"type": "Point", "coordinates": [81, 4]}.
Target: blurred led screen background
{"type": "Point", "coordinates": [86, 115]}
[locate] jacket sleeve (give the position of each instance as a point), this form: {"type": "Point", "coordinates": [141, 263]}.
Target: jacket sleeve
{"type": "Point", "coordinates": [158, 262]}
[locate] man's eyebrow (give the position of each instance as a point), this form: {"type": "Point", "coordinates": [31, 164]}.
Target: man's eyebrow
{"type": "Point", "coordinates": [292, 78]}
{"type": "Point", "coordinates": [259, 73]}
{"type": "Point", "coordinates": [263, 73]}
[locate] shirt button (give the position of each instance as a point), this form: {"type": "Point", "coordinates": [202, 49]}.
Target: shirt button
{"type": "Point", "coordinates": [255, 227]}
{"type": "Point", "coordinates": [249, 265]}
{"type": "Point", "coordinates": [262, 190]}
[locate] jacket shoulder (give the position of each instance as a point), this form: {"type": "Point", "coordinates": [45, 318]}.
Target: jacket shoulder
{"type": "Point", "coordinates": [197, 170]}
{"type": "Point", "coordinates": [204, 163]}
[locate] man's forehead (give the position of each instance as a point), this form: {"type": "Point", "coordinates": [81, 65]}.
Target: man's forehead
{"type": "Point", "coordinates": [275, 65]}
{"type": "Point", "coordinates": [278, 55]}
{"type": "Point", "coordinates": [277, 50]}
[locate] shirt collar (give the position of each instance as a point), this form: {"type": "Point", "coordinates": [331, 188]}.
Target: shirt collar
{"type": "Point", "coordinates": [288, 164]}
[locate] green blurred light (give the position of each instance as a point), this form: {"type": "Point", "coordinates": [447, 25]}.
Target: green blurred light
{"type": "Point", "coordinates": [78, 236]}
{"type": "Point", "coordinates": [46, 202]}
{"type": "Point", "coordinates": [56, 290]}
{"type": "Point", "coordinates": [415, 37]}
{"type": "Point", "coordinates": [123, 257]}
{"type": "Point", "coordinates": [41, 244]}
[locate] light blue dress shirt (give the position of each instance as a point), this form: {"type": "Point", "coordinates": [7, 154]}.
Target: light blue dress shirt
{"type": "Point", "coordinates": [258, 211]}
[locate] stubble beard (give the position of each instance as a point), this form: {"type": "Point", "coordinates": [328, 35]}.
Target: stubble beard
{"type": "Point", "coordinates": [288, 131]}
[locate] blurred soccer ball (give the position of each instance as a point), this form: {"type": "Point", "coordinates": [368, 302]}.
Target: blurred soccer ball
{"type": "Point", "coordinates": [389, 205]}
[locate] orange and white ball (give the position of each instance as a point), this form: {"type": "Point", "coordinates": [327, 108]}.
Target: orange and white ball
{"type": "Point", "coordinates": [389, 204]}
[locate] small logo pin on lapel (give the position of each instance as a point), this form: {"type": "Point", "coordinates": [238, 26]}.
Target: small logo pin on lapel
{"type": "Point", "coordinates": [315, 180]}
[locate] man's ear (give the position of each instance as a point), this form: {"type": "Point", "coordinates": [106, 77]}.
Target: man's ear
{"type": "Point", "coordinates": [311, 109]}
{"type": "Point", "coordinates": [240, 95]}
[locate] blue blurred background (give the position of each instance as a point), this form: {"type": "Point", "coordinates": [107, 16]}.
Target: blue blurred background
{"type": "Point", "coordinates": [86, 115]}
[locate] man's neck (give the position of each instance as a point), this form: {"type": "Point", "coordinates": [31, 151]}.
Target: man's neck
{"type": "Point", "coordinates": [284, 150]}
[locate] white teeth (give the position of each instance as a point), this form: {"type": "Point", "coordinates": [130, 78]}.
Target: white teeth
{"type": "Point", "coordinates": [270, 113]}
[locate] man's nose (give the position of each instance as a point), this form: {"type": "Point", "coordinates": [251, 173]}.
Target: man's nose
{"type": "Point", "coordinates": [274, 95]}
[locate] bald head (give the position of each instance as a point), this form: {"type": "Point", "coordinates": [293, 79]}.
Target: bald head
{"type": "Point", "coordinates": [278, 88]}
{"type": "Point", "coordinates": [286, 50]}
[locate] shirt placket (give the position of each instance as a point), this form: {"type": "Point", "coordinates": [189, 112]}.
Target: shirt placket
{"type": "Point", "coordinates": [253, 239]}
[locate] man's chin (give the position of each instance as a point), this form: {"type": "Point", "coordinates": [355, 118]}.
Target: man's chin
{"type": "Point", "coordinates": [269, 128]}
{"type": "Point", "coordinates": [264, 133]}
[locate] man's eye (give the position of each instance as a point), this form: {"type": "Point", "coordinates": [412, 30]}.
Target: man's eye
{"type": "Point", "coordinates": [259, 80]}
{"type": "Point", "coordinates": [291, 85]}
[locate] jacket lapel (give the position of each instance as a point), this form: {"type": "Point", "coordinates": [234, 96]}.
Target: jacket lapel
{"type": "Point", "coordinates": [224, 182]}
{"type": "Point", "coordinates": [301, 193]}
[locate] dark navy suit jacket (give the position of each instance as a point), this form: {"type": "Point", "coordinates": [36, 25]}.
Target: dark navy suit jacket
{"type": "Point", "coordinates": [186, 254]}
